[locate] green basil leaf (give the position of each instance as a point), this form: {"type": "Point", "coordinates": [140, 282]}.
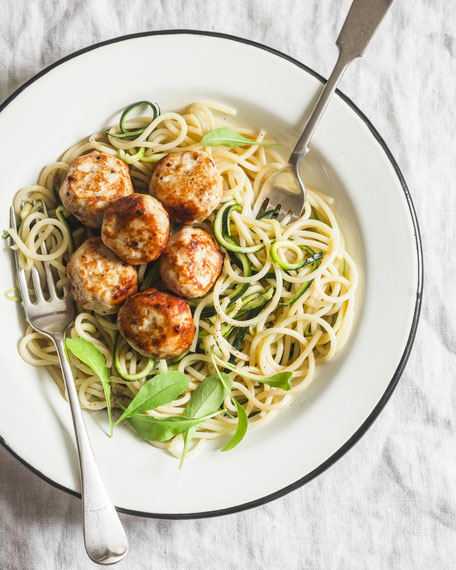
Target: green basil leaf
{"type": "Point", "coordinates": [227, 137]}
{"type": "Point", "coordinates": [279, 380]}
{"type": "Point", "coordinates": [159, 390]}
{"type": "Point", "coordinates": [207, 398]}
{"type": "Point", "coordinates": [163, 429]}
{"type": "Point", "coordinates": [241, 429]}
{"type": "Point", "coordinates": [90, 355]}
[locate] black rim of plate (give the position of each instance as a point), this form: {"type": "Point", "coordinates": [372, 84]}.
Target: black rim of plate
{"type": "Point", "coordinates": [400, 368]}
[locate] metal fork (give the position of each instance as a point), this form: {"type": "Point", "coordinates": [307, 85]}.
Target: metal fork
{"type": "Point", "coordinates": [104, 537]}
{"type": "Point", "coordinates": [284, 190]}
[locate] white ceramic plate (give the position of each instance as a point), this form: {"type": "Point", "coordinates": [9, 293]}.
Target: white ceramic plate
{"type": "Point", "coordinates": [348, 160]}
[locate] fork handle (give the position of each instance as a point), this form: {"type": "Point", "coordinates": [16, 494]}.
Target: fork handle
{"type": "Point", "coordinates": [359, 27]}
{"type": "Point", "coordinates": [104, 537]}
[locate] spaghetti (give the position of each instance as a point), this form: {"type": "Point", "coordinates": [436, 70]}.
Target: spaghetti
{"type": "Point", "coordinates": [303, 274]}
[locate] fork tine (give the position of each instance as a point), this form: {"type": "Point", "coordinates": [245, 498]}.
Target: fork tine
{"type": "Point", "coordinates": [281, 216]}
{"type": "Point", "coordinates": [293, 218]}
{"type": "Point", "coordinates": [21, 279]}
{"type": "Point", "coordinates": [260, 202]}
{"type": "Point", "coordinates": [37, 284]}
{"type": "Point", "coordinates": [47, 268]}
{"type": "Point", "coordinates": [12, 217]}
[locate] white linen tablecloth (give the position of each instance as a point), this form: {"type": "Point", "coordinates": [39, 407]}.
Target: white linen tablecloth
{"type": "Point", "coordinates": [391, 501]}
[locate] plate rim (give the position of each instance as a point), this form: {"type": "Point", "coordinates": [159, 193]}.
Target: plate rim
{"type": "Point", "coordinates": [419, 288]}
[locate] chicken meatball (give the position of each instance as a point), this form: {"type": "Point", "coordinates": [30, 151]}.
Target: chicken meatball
{"type": "Point", "coordinates": [188, 185]}
{"type": "Point", "coordinates": [93, 181]}
{"type": "Point", "coordinates": [191, 263]}
{"type": "Point", "coordinates": [157, 324]}
{"type": "Point", "coordinates": [136, 228]}
{"type": "Point", "coordinates": [98, 280]}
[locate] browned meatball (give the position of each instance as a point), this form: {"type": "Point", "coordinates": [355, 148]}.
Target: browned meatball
{"type": "Point", "coordinates": [157, 324]}
{"type": "Point", "coordinates": [98, 280]}
{"type": "Point", "coordinates": [188, 185]}
{"type": "Point", "coordinates": [191, 263]}
{"type": "Point", "coordinates": [136, 227]}
{"type": "Point", "coordinates": [93, 181]}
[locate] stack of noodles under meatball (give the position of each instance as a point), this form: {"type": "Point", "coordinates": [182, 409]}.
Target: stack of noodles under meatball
{"type": "Point", "coordinates": [283, 337]}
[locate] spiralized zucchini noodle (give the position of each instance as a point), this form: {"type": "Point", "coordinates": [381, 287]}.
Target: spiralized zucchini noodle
{"type": "Point", "coordinates": [295, 329]}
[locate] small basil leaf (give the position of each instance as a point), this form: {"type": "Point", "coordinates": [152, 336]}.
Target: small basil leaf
{"type": "Point", "coordinates": [90, 355]}
{"type": "Point", "coordinates": [241, 429]}
{"type": "Point", "coordinates": [159, 390]}
{"type": "Point", "coordinates": [163, 429]}
{"type": "Point", "coordinates": [227, 137]}
{"type": "Point", "coordinates": [207, 398]}
{"type": "Point", "coordinates": [280, 380]}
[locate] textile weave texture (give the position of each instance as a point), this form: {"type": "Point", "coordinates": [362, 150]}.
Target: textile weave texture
{"type": "Point", "coordinates": [390, 502]}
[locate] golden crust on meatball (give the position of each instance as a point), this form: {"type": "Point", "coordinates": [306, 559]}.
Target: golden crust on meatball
{"type": "Point", "coordinates": [98, 280]}
{"type": "Point", "coordinates": [188, 185]}
{"type": "Point", "coordinates": [191, 263]}
{"type": "Point", "coordinates": [157, 324]}
{"type": "Point", "coordinates": [136, 228]}
{"type": "Point", "coordinates": [93, 181]}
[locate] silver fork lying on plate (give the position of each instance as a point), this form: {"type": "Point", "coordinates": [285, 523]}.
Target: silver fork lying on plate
{"type": "Point", "coordinates": [284, 190]}
{"type": "Point", "coordinates": [104, 537]}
